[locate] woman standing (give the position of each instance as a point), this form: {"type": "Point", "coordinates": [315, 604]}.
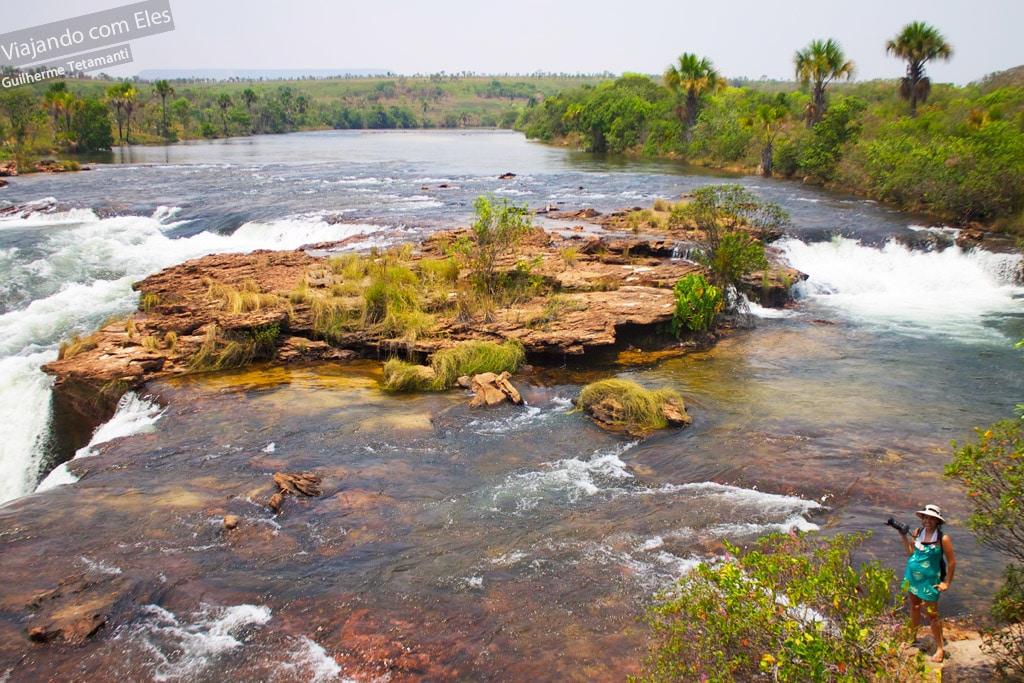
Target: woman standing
{"type": "Point", "coordinates": [924, 579]}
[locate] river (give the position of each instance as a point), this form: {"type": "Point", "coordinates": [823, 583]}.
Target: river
{"type": "Point", "coordinates": [506, 545]}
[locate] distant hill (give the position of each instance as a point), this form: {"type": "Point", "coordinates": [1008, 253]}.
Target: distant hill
{"type": "Point", "coordinates": [254, 74]}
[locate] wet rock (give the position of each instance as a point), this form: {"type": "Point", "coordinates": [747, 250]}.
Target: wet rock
{"type": "Point", "coordinates": [582, 214]}
{"type": "Point", "coordinates": [73, 631]}
{"type": "Point", "coordinates": [82, 604]}
{"type": "Point", "coordinates": [305, 483]}
{"type": "Point", "coordinates": [3, 183]}
{"type": "Point", "coordinates": [492, 389]}
{"type": "Point", "coordinates": [676, 416]}
{"type": "Point", "coordinates": [506, 176]}
{"type": "Point", "coordinates": [299, 484]}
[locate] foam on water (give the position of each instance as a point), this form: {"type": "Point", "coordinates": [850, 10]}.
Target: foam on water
{"type": "Point", "coordinates": [134, 415]}
{"type": "Point", "coordinates": [79, 272]}
{"type": "Point", "coordinates": [183, 650]}
{"type": "Point", "coordinates": [215, 642]}
{"type": "Point", "coordinates": [569, 480]}
{"type": "Point", "coordinates": [948, 292]}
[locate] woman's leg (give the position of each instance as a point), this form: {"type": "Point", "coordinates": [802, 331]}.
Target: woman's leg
{"type": "Point", "coordinates": [915, 614]}
{"type": "Point", "coordinates": [932, 610]}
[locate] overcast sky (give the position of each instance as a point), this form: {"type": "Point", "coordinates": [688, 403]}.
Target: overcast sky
{"type": "Point", "coordinates": [750, 38]}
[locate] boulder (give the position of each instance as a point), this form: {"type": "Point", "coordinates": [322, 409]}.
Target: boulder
{"type": "Point", "coordinates": [492, 389]}
{"type": "Point", "coordinates": [8, 168]}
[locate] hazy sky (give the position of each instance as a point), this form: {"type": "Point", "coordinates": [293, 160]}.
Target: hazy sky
{"type": "Point", "coordinates": [748, 38]}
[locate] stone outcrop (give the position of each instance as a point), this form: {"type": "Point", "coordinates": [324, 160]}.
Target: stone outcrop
{"type": "Point", "coordinates": [609, 289]}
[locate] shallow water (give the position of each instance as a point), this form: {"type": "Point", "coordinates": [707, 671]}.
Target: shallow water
{"type": "Point", "coordinates": [517, 543]}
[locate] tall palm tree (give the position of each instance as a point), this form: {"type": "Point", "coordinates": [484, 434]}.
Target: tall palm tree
{"type": "Point", "coordinates": [690, 79]}
{"type": "Point", "coordinates": [916, 44]}
{"type": "Point", "coordinates": [224, 101]}
{"type": "Point", "coordinates": [115, 97]}
{"type": "Point", "coordinates": [130, 98]}
{"type": "Point", "coordinates": [249, 96]}
{"type": "Point", "coordinates": [767, 120]}
{"type": "Point", "coordinates": [820, 63]}
{"type": "Point", "coordinates": [53, 101]}
{"type": "Point", "coordinates": [69, 104]}
{"type": "Point", "coordinates": [163, 89]}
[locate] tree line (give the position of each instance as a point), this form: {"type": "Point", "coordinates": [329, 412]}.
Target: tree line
{"type": "Point", "coordinates": [956, 153]}
{"type": "Point", "coordinates": [95, 115]}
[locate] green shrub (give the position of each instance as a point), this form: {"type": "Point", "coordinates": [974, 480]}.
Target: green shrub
{"type": "Point", "coordinates": [697, 304]}
{"type": "Point", "coordinates": [642, 408]}
{"type": "Point", "coordinates": [738, 254]}
{"type": "Point", "coordinates": [496, 232]}
{"type": "Point", "coordinates": [991, 471]}
{"type": "Point", "coordinates": [791, 609]}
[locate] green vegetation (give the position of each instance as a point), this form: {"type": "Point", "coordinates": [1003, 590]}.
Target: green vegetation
{"type": "Point", "coordinates": [447, 365]}
{"type": "Point", "coordinates": [89, 114]}
{"type": "Point", "coordinates": [494, 234]}
{"type": "Point", "coordinates": [991, 471]}
{"type": "Point", "coordinates": [958, 157]}
{"type": "Point", "coordinates": [917, 44]}
{"type": "Point", "coordinates": [820, 63]}
{"type": "Point", "coordinates": [791, 609]}
{"type": "Point", "coordinates": [731, 219]}
{"type": "Point", "coordinates": [697, 304]}
{"type": "Point", "coordinates": [690, 80]}
{"type": "Point", "coordinates": [639, 407]}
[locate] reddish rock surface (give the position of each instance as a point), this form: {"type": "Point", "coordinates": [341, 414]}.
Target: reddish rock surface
{"type": "Point", "coordinates": [609, 288]}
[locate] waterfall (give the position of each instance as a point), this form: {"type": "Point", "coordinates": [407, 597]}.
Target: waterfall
{"type": "Point", "coordinates": [949, 292]}
{"type": "Point", "coordinates": [65, 272]}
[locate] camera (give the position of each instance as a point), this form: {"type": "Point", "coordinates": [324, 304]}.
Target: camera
{"type": "Point", "coordinates": [901, 527]}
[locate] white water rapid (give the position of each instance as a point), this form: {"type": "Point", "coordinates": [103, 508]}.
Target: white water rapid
{"type": "Point", "coordinates": [67, 273]}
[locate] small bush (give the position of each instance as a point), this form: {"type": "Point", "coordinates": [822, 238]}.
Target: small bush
{"type": "Point", "coordinates": [991, 471]}
{"type": "Point", "coordinates": [243, 299]}
{"type": "Point", "coordinates": [697, 304]}
{"type": "Point", "coordinates": [738, 254]}
{"type": "Point", "coordinates": [171, 340]}
{"type": "Point", "coordinates": [149, 342]}
{"type": "Point", "coordinates": [661, 205]}
{"type": "Point", "coordinates": [222, 353]}
{"type": "Point", "coordinates": [439, 271]}
{"type": "Point", "coordinates": [792, 609]}
{"type": "Point", "coordinates": [680, 215]}
{"type": "Point", "coordinates": [642, 408]}
{"type": "Point", "coordinates": [569, 255]}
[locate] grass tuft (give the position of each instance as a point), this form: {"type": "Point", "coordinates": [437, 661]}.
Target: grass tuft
{"type": "Point", "coordinates": [447, 365]}
{"type": "Point", "coordinates": [641, 408]}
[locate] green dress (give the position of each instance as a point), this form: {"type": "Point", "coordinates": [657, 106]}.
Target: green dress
{"type": "Point", "coordinates": [923, 570]}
